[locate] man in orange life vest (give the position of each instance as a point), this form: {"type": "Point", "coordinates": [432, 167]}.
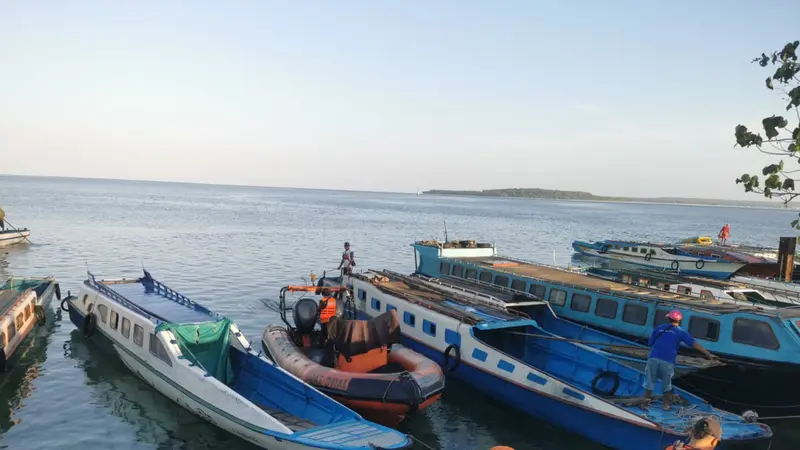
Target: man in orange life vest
{"type": "Point", "coordinates": [327, 309]}
{"type": "Point", "coordinates": [706, 435]}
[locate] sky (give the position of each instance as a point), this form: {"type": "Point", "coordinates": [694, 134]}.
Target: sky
{"type": "Point", "coordinates": [620, 97]}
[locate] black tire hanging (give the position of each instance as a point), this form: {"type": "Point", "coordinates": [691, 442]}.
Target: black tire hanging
{"type": "Point", "coordinates": [39, 313]}
{"type": "Point", "coordinates": [648, 257]}
{"type": "Point", "coordinates": [65, 305]}
{"type": "Point", "coordinates": [675, 265]}
{"type": "Point", "coordinates": [606, 373]}
{"type": "Point", "coordinates": [2, 360]}
{"type": "Point", "coordinates": [58, 292]}
{"type": "Point", "coordinates": [700, 264]}
{"type": "Point", "coordinates": [604, 248]}
{"type": "Point", "coordinates": [452, 348]}
{"type": "Point", "coordinates": [89, 325]}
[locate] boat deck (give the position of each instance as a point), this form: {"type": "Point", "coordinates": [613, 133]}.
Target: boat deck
{"type": "Point", "coordinates": [158, 305]}
{"type": "Point", "coordinates": [576, 279]}
{"type": "Point", "coordinates": [7, 299]}
{"type": "Point", "coordinates": [293, 423]}
{"type": "Point", "coordinates": [354, 433]}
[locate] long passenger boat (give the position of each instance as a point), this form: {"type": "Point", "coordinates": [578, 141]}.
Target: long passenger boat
{"type": "Point", "coordinates": [761, 347]}
{"type": "Point", "coordinates": [516, 361]}
{"type": "Point", "coordinates": [203, 362]}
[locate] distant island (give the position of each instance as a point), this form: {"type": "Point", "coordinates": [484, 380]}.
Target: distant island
{"type": "Point", "coordinates": [550, 194]}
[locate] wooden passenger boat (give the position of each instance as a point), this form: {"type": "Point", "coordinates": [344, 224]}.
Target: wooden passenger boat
{"type": "Point", "coordinates": [24, 303]}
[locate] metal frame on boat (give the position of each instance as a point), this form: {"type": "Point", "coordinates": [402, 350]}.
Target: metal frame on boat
{"type": "Point", "coordinates": [150, 327]}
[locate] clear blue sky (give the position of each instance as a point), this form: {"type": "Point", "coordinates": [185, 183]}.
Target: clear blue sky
{"type": "Point", "coordinates": [612, 97]}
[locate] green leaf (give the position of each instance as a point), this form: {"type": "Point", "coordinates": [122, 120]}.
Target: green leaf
{"type": "Point", "coordinates": [788, 184]}
{"type": "Point", "coordinates": [771, 125]}
{"type": "Point", "coordinates": [769, 82]}
{"type": "Point", "coordinates": [794, 98]}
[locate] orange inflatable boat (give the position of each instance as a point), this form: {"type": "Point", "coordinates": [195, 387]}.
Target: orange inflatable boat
{"type": "Point", "coordinates": [360, 363]}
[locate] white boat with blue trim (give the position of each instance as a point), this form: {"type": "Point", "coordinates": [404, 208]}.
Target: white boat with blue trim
{"type": "Point", "coordinates": [202, 362]}
{"type": "Point", "coordinates": [516, 361]}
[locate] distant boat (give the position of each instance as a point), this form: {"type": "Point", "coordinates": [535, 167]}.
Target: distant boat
{"type": "Point", "coordinates": [419, 192]}
{"type": "Point", "coordinates": [14, 236]}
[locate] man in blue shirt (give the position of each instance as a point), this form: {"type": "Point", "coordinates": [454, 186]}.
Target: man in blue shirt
{"type": "Point", "coordinates": [664, 343]}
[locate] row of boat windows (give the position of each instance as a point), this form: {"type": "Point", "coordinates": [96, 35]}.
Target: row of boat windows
{"type": "Point", "coordinates": [641, 250]}
{"type": "Point", "coordinates": [18, 323]}
{"type": "Point", "coordinates": [111, 318]}
{"type": "Point", "coordinates": [745, 331]}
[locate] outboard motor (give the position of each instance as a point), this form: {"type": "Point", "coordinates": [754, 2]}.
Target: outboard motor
{"type": "Point", "coordinates": [305, 315]}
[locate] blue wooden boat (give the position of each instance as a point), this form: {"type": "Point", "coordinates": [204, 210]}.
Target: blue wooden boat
{"type": "Point", "coordinates": [517, 361]}
{"type": "Point", "coordinates": [203, 362]}
{"type": "Point", "coordinates": [622, 350]}
{"type": "Point", "coordinates": [761, 347]}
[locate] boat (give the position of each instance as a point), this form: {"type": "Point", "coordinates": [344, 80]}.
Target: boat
{"type": "Point", "coordinates": [14, 236]}
{"type": "Point", "coordinates": [204, 363]}
{"type": "Point", "coordinates": [760, 346]}
{"type": "Point", "coordinates": [24, 303]}
{"type": "Point", "coordinates": [622, 350]}
{"type": "Point", "coordinates": [519, 363]}
{"type": "Point", "coordinates": [661, 256]}
{"type": "Point", "coordinates": [726, 291]}
{"type": "Point", "coordinates": [699, 240]}
{"type": "Point", "coordinates": [359, 363]}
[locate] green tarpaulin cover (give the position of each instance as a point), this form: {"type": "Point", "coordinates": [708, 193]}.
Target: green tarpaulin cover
{"type": "Point", "coordinates": [205, 344]}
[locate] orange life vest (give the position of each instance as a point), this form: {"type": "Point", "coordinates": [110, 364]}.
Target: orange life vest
{"type": "Point", "coordinates": [328, 310]}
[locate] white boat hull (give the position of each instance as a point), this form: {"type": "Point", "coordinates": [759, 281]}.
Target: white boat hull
{"type": "Point", "coordinates": [12, 237]}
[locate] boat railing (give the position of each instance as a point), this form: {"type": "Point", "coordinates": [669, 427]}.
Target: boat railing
{"type": "Point", "coordinates": [488, 300]}
{"type": "Point", "coordinates": [652, 296]}
{"type": "Point", "coordinates": [171, 294]}
{"type": "Point", "coordinates": [116, 296]}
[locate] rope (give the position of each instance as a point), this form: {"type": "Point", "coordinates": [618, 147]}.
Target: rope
{"type": "Point", "coordinates": [17, 229]}
{"type": "Point", "coordinates": [750, 405]}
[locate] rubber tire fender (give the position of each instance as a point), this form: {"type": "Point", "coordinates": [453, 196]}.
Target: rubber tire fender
{"type": "Point", "coordinates": [456, 358]}
{"type": "Point", "coordinates": [89, 325]}
{"type": "Point", "coordinates": [700, 264]}
{"type": "Point", "coordinates": [600, 376]}
{"type": "Point", "coordinates": [648, 257]}
{"type": "Point", "coordinates": [65, 305]}
{"type": "Point", "coordinates": [675, 265]}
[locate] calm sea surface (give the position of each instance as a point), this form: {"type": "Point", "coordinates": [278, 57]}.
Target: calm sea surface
{"type": "Point", "coordinates": [231, 247]}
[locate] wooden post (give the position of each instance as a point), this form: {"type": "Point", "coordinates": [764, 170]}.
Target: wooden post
{"type": "Point", "coordinates": [786, 251]}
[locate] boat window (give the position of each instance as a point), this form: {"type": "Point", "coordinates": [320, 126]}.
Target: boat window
{"type": "Point", "coordinates": [635, 314]}
{"type": "Point", "coordinates": [606, 307]}
{"type": "Point", "coordinates": [625, 249]}
{"type": "Point", "coordinates": [557, 297]}
{"type": "Point", "coordinates": [486, 276]}
{"type": "Point", "coordinates": [685, 290]}
{"type": "Point", "coordinates": [126, 328]}
{"type": "Point", "coordinates": [580, 303]}
{"type": "Point", "coordinates": [471, 273]}
{"type": "Point", "coordinates": [537, 290]}
{"type": "Point", "coordinates": [501, 281]}
{"type": "Point", "coordinates": [429, 327]}
{"type": "Point", "coordinates": [85, 296]}
{"type": "Point", "coordinates": [12, 331]}
{"type": "Point", "coordinates": [376, 304]}
{"type": "Point", "coordinates": [458, 270]}
{"type": "Point", "coordinates": [755, 333]}
{"type": "Point", "coordinates": [103, 310]}
{"type": "Point", "coordinates": [702, 328]}
{"type": "Point", "coordinates": [705, 293]}
{"type": "Point", "coordinates": [362, 294]}
{"type": "Point", "coordinates": [652, 252]}
{"type": "Point", "coordinates": [409, 319]}
{"type": "Point", "coordinates": [138, 335]}
{"type": "Point", "coordinates": [20, 321]}
{"type": "Point", "coordinates": [518, 285]}
{"type": "Point", "coordinates": [157, 349]}
{"type": "Point", "coordinates": [444, 268]}
{"type": "Point", "coordinates": [114, 322]}
{"type": "Point", "coordinates": [3, 340]}
{"type": "Point", "coordinates": [27, 312]}
{"type": "Point", "coordinates": [642, 250]}
{"type": "Point", "coordinates": [660, 317]}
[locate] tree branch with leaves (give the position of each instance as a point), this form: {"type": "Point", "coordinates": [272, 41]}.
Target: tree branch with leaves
{"type": "Point", "coordinates": [781, 139]}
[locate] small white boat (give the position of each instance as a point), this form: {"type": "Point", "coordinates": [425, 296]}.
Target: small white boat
{"type": "Point", "coordinates": [23, 305]}
{"type": "Point", "coordinates": [204, 363]}
{"type": "Point", "coordinates": [11, 237]}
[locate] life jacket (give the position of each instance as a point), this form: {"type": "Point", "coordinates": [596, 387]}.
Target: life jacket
{"type": "Point", "coordinates": [328, 310]}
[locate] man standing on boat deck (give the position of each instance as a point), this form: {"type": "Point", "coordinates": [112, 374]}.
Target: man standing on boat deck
{"type": "Point", "coordinates": [664, 342]}
{"type": "Point", "coordinates": [723, 233]}
{"type": "Point", "coordinates": [706, 435]}
{"type": "Point", "coordinates": [348, 260]}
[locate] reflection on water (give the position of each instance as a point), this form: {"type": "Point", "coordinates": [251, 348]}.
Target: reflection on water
{"type": "Point", "coordinates": [158, 421]}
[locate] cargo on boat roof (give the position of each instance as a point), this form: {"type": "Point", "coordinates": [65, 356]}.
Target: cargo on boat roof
{"type": "Point", "coordinates": [473, 257]}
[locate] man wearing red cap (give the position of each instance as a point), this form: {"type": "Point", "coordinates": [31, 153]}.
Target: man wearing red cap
{"type": "Point", "coordinates": [664, 343]}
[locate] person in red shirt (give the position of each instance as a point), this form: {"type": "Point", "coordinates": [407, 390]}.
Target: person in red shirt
{"type": "Point", "coordinates": [723, 233]}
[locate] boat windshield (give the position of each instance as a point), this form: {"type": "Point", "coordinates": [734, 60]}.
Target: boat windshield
{"type": "Point", "coordinates": [206, 344]}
